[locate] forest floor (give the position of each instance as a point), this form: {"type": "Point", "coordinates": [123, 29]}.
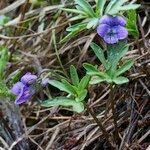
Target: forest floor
{"type": "Point", "coordinates": [34, 46]}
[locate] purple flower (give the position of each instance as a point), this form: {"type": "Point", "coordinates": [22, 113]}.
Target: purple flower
{"type": "Point", "coordinates": [28, 79]}
{"type": "Point", "coordinates": [25, 89]}
{"type": "Point", "coordinates": [112, 29]}
{"type": "Point", "coordinates": [22, 92]}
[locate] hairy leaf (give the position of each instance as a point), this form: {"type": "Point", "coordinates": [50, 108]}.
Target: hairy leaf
{"type": "Point", "coordinates": [126, 66]}
{"type": "Point", "coordinates": [86, 7]}
{"type": "Point", "coordinates": [120, 80]}
{"type": "Point", "coordinates": [63, 101]}
{"type": "Point", "coordinates": [74, 75]}
{"type": "Point", "coordinates": [61, 86]}
{"type": "Point", "coordinates": [99, 53]}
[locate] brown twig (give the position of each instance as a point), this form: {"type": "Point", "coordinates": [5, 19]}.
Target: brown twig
{"type": "Point", "coordinates": [99, 124]}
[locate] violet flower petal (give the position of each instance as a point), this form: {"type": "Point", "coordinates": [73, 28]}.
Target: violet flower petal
{"type": "Point", "coordinates": [122, 33]}
{"type": "Point", "coordinates": [102, 29]}
{"type": "Point", "coordinates": [17, 88]}
{"type": "Point", "coordinates": [106, 19]}
{"type": "Point", "coordinates": [28, 78]}
{"type": "Point", "coordinates": [112, 29]}
{"type": "Point", "coordinates": [118, 20]}
{"type": "Point", "coordinates": [25, 95]}
{"type": "Point", "coordinates": [110, 39]}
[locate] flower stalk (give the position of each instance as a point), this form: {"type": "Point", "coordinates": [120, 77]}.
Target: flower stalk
{"type": "Point", "coordinates": [112, 105]}
{"type": "Point", "coordinates": [105, 133]}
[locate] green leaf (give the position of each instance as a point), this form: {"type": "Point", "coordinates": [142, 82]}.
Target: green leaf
{"type": "Point", "coordinates": [63, 101]}
{"type": "Point", "coordinates": [126, 66]}
{"type": "Point", "coordinates": [4, 20]}
{"type": "Point", "coordinates": [79, 8]}
{"type": "Point", "coordinates": [69, 87]}
{"type": "Point", "coordinates": [3, 60]}
{"type": "Point", "coordinates": [130, 6]}
{"type": "Point", "coordinates": [97, 79]}
{"type": "Point", "coordinates": [115, 53]}
{"type": "Point", "coordinates": [75, 29]}
{"type": "Point", "coordinates": [93, 71]}
{"type": "Point", "coordinates": [74, 11]}
{"type": "Point", "coordinates": [120, 80]}
{"type": "Point", "coordinates": [92, 23]}
{"type": "Point", "coordinates": [86, 7]}
{"type": "Point", "coordinates": [115, 6]}
{"type": "Point", "coordinates": [132, 23]}
{"type": "Point", "coordinates": [81, 95]}
{"type": "Point", "coordinates": [84, 83]}
{"type": "Point", "coordinates": [61, 86]}
{"type": "Point", "coordinates": [4, 91]}
{"type": "Point", "coordinates": [90, 69]}
{"type": "Point", "coordinates": [110, 5]}
{"type": "Point", "coordinates": [100, 7]}
{"type": "Point", "coordinates": [74, 75]}
{"type": "Point", "coordinates": [79, 17]}
{"type": "Point", "coordinates": [99, 53]}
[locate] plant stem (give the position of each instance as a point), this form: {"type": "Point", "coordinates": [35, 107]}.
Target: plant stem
{"type": "Point", "coordinates": [112, 101]}
{"type": "Point", "coordinates": [99, 124]}
{"type": "Point", "coordinates": [57, 53]}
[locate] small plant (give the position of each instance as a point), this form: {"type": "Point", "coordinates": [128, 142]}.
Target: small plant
{"type": "Point", "coordinates": [112, 73]}
{"type": "Point", "coordinates": [91, 15]}
{"type": "Point", "coordinates": [77, 92]}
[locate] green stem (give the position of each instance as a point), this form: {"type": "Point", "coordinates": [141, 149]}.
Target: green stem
{"type": "Point", "coordinates": [112, 101]}
{"type": "Point", "coordinates": [57, 53]}
{"type": "Point", "coordinates": [99, 124]}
